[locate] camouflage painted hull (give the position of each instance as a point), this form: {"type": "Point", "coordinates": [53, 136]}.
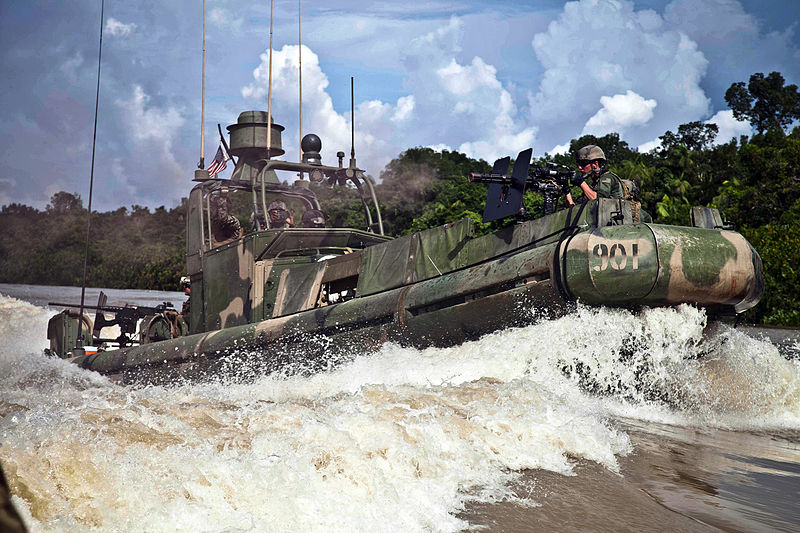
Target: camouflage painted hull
{"type": "Point", "coordinates": [648, 264]}
{"type": "Point", "coordinates": [444, 286]}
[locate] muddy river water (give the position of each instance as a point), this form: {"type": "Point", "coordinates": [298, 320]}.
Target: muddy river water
{"type": "Point", "coordinates": [603, 420]}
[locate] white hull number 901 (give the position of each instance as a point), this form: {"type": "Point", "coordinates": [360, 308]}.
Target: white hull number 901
{"type": "Point", "coordinates": [616, 257]}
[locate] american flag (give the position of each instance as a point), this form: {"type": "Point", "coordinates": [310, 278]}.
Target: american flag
{"type": "Point", "coordinates": [219, 162]}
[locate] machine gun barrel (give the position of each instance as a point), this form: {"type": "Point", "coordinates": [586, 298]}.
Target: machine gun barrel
{"type": "Point", "coordinates": [117, 309]}
{"type": "Point", "coordinates": [504, 198]}
{"type": "Point", "coordinates": [535, 174]}
{"type": "Point", "coordinates": [477, 177]}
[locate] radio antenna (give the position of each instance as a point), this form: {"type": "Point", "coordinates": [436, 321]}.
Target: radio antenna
{"type": "Point", "coordinates": [352, 127]}
{"type": "Point", "coordinates": [269, 87]}
{"type": "Point", "coordinates": [300, 77]}
{"type": "Point", "coordinates": [269, 120]}
{"type": "Point", "coordinates": [91, 174]}
{"type": "Point", "coordinates": [202, 163]}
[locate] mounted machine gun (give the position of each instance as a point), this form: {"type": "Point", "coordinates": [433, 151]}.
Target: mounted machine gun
{"type": "Point", "coordinates": [126, 317]}
{"type": "Point", "coordinates": [505, 194]}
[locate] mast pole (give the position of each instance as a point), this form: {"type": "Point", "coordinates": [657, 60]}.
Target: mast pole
{"type": "Point", "coordinates": [352, 127]}
{"type": "Point", "coordinates": [91, 173]}
{"type": "Point", "coordinates": [269, 88]}
{"type": "Point", "coordinates": [269, 120]}
{"type": "Point", "coordinates": [203, 97]}
{"type": "Point", "coordinates": [300, 75]}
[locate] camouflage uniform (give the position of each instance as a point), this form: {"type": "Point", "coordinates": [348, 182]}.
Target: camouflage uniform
{"type": "Point", "coordinates": [224, 226]}
{"type": "Point", "coordinates": [607, 185]}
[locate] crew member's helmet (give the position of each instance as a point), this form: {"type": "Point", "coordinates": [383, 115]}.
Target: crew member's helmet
{"type": "Point", "coordinates": [590, 152]}
{"type": "Point", "coordinates": [313, 218]}
{"type": "Point", "coordinates": [220, 203]}
{"type": "Point", "coordinates": [279, 215]}
{"type": "Point", "coordinates": [277, 204]}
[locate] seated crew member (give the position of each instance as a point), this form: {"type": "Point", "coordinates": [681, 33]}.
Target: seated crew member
{"type": "Point", "coordinates": [313, 218]}
{"type": "Point", "coordinates": [592, 166]}
{"type": "Point", "coordinates": [187, 290]}
{"type": "Point", "coordinates": [224, 226]}
{"type": "Point", "coordinates": [279, 215]}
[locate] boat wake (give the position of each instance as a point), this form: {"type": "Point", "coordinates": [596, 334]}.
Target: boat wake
{"type": "Point", "coordinates": [402, 439]}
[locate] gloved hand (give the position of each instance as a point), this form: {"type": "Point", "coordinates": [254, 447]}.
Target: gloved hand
{"type": "Point", "coordinates": [576, 179]}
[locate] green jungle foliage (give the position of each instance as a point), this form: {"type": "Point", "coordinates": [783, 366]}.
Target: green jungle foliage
{"type": "Point", "coordinates": [755, 182]}
{"type": "Point", "coordinates": [135, 248]}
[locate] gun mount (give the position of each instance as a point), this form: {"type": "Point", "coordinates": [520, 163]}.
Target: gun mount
{"type": "Point", "coordinates": [506, 192]}
{"type": "Point", "coordinates": [126, 317]}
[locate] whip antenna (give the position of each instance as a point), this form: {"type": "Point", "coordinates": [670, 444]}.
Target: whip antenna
{"type": "Point", "coordinates": [269, 119]}
{"type": "Point", "coordinates": [300, 77]}
{"type": "Point", "coordinates": [269, 87]}
{"type": "Point", "coordinates": [91, 173]}
{"type": "Point", "coordinates": [201, 165]}
{"type": "Point", "coordinates": [352, 127]}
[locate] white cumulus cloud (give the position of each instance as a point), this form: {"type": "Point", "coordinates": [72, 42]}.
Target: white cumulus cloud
{"type": "Point", "coordinates": [619, 112]}
{"type": "Point", "coordinates": [560, 149]}
{"type": "Point", "coordinates": [734, 40]}
{"type": "Point", "coordinates": [119, 29]}
{"type": "Point", "coordinates": [225, 20]}
{"type": "Point", "coordinates": [729, 127]}
{"type": "Point", "coordinates": [72, 65]}
{"type": "Point", "coordinates": [597, 48]}
{"type": "Point", "coordinates": [464, 104]}
{"type": "Point", "coordinates": [450, 103]}
{"type": "Point", "coordinates": [649, 145]}
{"type": "Point", "coordinates": [319, 115]}
{"type": "Point", "coordinates": [154, 133]}
{"type": "Point", "coordinates": [405, 105]}
{"type": "Point", "coordinates": [148, 122]}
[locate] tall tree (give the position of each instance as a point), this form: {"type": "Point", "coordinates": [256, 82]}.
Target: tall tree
{"type": "Point", "coordinates": [693, 135]}
{"type": "Point", "coordinates": [63, 202]}
{"type": "Point", "coordinates": [422, 188]}
{"type": "Point", "coordinates": [766, 102]}
{"type": "Point", "coordinates": [614, 148]}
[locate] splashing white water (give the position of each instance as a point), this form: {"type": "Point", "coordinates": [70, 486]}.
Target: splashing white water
{"type": "Point", "coordinates": [398, 440]}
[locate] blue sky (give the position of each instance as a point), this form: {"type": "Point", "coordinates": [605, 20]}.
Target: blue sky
{"type": "Point", "coordinates": [484, 78]}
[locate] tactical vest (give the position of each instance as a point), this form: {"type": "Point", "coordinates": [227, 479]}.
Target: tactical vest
{"type": "Point", "coordinates": [628, 188]}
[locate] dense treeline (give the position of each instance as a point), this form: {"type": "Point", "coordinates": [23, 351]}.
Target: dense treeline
{"type": "Point", "coordinates": [133, 248]}
{"type": "Point", "coordinates": [754, 181]}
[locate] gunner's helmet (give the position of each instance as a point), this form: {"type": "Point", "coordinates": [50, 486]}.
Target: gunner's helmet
{"type": "Point", "coordinates": [590, 152]}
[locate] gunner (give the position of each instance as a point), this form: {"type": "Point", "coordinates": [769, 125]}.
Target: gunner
{"type": "Point", "coordinates": [592, 166]}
